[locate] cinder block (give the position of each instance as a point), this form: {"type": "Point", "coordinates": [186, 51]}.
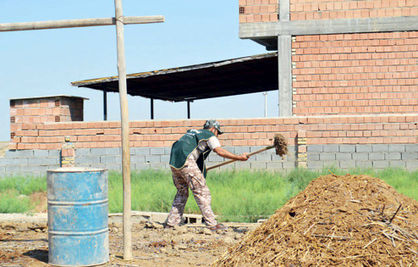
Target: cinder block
{"type": "Point", "coordinates": [360, 156]}
{"type": "Point", "coordinates": [258, 165]}
{"type": "Point", "coordinates": [10, 154]}
{"type": "Point", "coordinates": [241, 165]}
{"type": "Point", "coordinates": [397, 164]}
{"type": "Point", "coordinates": [87, 160]}
{"type": "Point", "coordinates": [364, 164]}
{"type": "Point", "coordinates": [327, 156]}
{"type": "Point", "coordinates": [114, 167]}
{"type": "Point", "coordinates": [347, 164]}
{"type": "Point", "coordinates": [347, 148]}
{"type": "Point", "coordinates": [54, 153]}
{"type": "Point", "coordinates": [274, 165]}
{"type": "Point", "coordinates": [315, 165]}
{"type": "Point", "coordinates": [152, 159]}
{"type": "Point", "coordinates": [2, 170]}
{"type": "Point", "coordinates": [44, 162]}
{"type": "Point", "coordinates": [165, 159]}
{"type": "Point", "coordinates": [315, 148]}
{"type": "Point", "coordinates": [255, 148]}
{"type": "Point", "coordinates": [411, 148]}
{"type": "Point", "coordinates": [138, 159]}
{"type": "Point", "coordinates": [159, 166]}
{"type": "Point", "coordinates": [343, 156]}
{"type": "Point", "coordinates": [241, 149]}
{"type": "Point", "coordinates": [263, 157]}
{"type": "Point", "coordinates": [376, 156]}
{"type": "Point", "coordinates": [331, 148]}
{"type": "Point", "coordinates": [411, 165]}
{"type": "Point", "coordinates": [363, 148]}
{"type": "Point", "coordinates": [330, 164]}
{"type": "Point", "coordinates": [289, 164]}
{"type": "Point", "coordinates": [313, 156]}
{"type": "Point", "coordinates": [393, 156]}
{"type": "Point", "coordinates": [380, 147]}
{"type": "Point", "coordinates": [82, 151]}
{"type": "Point", "coordinates": [157, 151]}
{"type": "Point", "coordinates": [167, 150]}
{"type": "Point", "coordinates": [396, 148]}
{"type": "Point", "coordinates": [380, 164]}
{"type": "Point", "coordinates": [409, 155]}
{"type": "Point", "coordinates": [110, 159]}
{"type": "Point", "coordinates": [140, 151]}
{"type": "Point", "coordinates": [40, 153]}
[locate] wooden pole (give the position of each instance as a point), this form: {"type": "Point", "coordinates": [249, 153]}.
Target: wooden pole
{"type": "Point", "coordinates": [126, 175]}
{"type": "Point", "coordinates": [56, 24]}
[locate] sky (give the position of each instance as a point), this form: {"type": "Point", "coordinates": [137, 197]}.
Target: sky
{"type": "Point", "coordinates": [45, 62]}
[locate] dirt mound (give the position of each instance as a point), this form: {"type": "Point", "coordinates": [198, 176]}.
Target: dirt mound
{"type": "Point", "coordinates": [336, 220]}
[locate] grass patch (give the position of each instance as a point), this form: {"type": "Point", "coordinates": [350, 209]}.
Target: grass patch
{"type": "Point", "coordinates": [237, 195]}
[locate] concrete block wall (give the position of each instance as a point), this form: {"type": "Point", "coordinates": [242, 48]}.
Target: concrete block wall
{"type": "Point", "coordinates": [378, 141]}
{"type": "Point", "coordinates": [355, 73]}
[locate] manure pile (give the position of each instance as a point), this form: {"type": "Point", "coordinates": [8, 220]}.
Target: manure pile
{"type": "Point", "coordinates": [337, 220]}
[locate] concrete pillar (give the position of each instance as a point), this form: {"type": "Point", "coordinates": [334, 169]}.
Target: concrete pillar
{"type": "Point", "coordinates": [284, 47]}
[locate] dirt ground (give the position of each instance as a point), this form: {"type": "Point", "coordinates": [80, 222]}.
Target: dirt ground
{"type": "Point", "coordinates": [26, 244]}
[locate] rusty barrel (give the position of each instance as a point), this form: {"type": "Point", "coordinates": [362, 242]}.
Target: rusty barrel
{"type": "Point", "coordinates": [77, 216]}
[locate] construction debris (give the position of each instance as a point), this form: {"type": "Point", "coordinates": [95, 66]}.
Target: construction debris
{"type": "Point", "coordinates": [337, 220]}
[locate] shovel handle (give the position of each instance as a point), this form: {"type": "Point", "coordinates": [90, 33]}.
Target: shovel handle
{"type": "Point", "coordinates": [233, 160]}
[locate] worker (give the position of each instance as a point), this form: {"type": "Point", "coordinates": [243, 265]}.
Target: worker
{"type": "Point", "coordinates": [188, 170]}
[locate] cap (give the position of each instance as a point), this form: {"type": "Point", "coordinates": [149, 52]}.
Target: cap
{"type": "Point", "coordinates": [213, 123]}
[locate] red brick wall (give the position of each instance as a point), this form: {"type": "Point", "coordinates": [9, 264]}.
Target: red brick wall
{"type": "Point", "coordinates": [258, 10]}
{"type": "Point", "coordinates": [41, 110]}
{"type": "Point", "coordinates": [345, 9]}
{"type": "Point", "coordinates": [368, 129]}
{"type": "Point", "coordinates": [355, 73]}
{"type": "Point", "coordinates": [267, 10]}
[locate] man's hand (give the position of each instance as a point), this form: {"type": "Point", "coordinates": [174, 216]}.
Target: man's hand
{"type": "Point", "coordinates": [244, 157]}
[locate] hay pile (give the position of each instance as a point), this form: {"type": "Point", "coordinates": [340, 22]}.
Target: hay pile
{"type": "Point", "coordinates": [337, 220]}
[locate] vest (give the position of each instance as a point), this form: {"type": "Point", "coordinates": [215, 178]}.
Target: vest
{"type": "Point", "coordinates": [182, 148]}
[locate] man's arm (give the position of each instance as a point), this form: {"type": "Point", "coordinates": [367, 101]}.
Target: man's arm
{"type": "Point", "coordinates": [226, 154]}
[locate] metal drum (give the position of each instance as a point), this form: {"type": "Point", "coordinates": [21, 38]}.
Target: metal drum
{"type": "Point", "coordinates": [77, 217]}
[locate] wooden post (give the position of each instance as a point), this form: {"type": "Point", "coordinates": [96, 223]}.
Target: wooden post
{"type": "Point", "coordinates": [126, 170]}
{"type": "Point", "coordinates": [119, 21]}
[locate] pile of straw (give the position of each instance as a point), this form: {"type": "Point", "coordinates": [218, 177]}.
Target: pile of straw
{"type": "Point", "coordinates": [337, 220]}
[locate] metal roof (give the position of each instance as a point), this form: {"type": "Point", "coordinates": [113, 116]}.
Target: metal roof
{"type": "Point", "coordinates": [236, 76]}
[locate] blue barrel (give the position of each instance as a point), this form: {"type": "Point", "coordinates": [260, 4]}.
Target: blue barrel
{"type": "Point", "coordinates": [77, 217]}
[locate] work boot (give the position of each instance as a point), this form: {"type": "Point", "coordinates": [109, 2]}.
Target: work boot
{"type": "Point", "coordinates": [217, 227]}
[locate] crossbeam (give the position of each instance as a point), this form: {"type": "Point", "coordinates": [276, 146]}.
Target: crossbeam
{"type": "Point", "coordinates": [72, 23]}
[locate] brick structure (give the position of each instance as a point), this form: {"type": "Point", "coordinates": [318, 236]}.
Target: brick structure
{"type": "Point", "coordinates": [36, 110]}
{"type": "Point", "coordinates": [348, 97]}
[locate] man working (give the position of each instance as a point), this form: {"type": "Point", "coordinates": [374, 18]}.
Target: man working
{"type": "Point", "coordinates": [189, 171]}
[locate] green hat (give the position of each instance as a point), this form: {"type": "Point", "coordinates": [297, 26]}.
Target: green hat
{"type": "Point", "coordinates": [213, 123]}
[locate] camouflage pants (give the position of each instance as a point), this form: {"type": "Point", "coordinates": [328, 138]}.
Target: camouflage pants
{"type": "Point", "coordinates": [191, 177]}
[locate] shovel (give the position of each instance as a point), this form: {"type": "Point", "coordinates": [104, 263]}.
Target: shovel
{"type": "Point", "coordinates": [279, 144]}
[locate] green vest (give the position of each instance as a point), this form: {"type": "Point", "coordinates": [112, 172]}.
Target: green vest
{"type": "Point", "coordinates": [182, 148]}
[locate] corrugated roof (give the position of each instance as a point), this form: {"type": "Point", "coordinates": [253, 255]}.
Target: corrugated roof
{"type": "Point", "coordinates": [236, 76]}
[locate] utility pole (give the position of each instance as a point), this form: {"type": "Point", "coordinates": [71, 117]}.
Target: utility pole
{"type": "Point", "coordinates": [119, 20]}
{"type": "Point", "coordinates": [265, 104]}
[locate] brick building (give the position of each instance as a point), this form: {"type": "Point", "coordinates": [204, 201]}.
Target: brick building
{"type": "Point", "coordinates": [347, 74]}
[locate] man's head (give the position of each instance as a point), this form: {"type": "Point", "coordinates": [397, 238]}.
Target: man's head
{"type": "Point", "coordinates": [209, 124]}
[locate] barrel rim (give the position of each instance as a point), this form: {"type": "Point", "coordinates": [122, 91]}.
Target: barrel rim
{"type": "Point", "coordinates": [77, 169]}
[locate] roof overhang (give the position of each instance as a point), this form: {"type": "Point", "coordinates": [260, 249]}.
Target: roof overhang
{"type": "Point", "coordinates": [236, 76]}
